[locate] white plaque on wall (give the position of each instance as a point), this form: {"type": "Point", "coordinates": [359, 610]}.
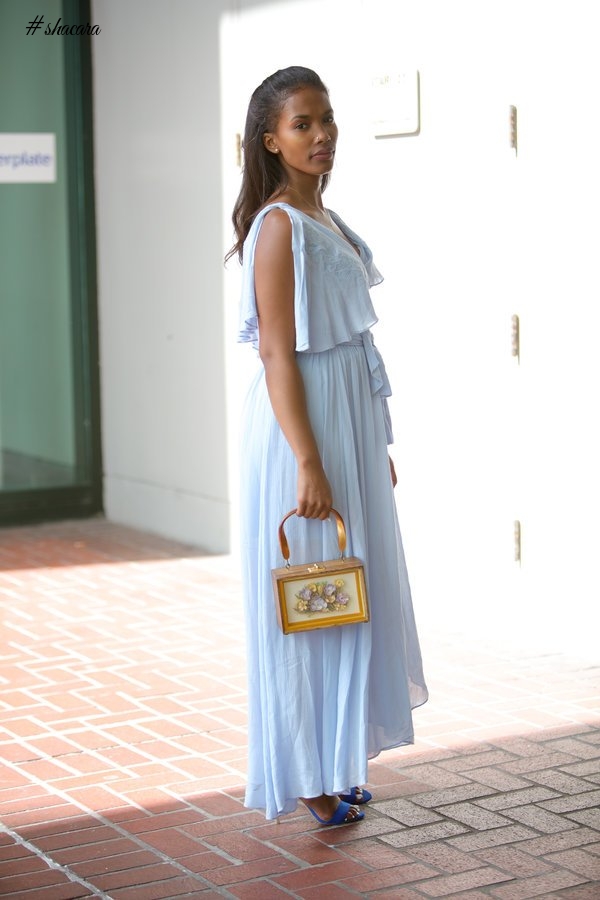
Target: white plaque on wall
{"type": "Point", "coordinates": [27, 158]}
{"type": "Point", "coordinates": [395, 103]}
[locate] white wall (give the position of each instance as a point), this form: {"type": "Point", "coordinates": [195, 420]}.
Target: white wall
{"type": "Point", "coordinates": [468, 235]}
{"type": "Point", "coordinates": [158, 201]}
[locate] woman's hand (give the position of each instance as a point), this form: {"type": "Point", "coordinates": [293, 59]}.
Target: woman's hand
{"type": "Point", "coordinates": [393, 472]}
{"type": "Point", "coordinates": [315, 497]}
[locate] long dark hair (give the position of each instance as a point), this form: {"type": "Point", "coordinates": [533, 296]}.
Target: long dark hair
{"type": "Point", "coordinates": [263, 174]}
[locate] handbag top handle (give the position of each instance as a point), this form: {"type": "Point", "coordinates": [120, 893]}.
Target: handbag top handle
{"type": "Point", "coordinates": [341, 533]}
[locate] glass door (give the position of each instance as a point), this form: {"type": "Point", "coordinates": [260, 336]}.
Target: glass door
{"type": "Point", "coordinates": [49, 412]}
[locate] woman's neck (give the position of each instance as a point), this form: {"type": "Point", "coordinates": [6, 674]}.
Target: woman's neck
{"type": "Point", "coordinates": [309, 198]}
{"type": "Point", "coordinates": [308, 201]}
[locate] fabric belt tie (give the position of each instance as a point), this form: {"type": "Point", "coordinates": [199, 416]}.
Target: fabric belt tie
{"type": "Point", "coordinates": [379, 380]}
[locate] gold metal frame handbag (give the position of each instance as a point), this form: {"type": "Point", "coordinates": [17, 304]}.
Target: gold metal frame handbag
{"type": "Point", "coordinates": [320, 594]}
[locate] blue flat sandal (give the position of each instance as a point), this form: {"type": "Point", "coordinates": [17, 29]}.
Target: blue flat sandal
{"type": "Point", "coordinates": [339, 816]}
{"type": "Point", "coordinates": [356, 798]}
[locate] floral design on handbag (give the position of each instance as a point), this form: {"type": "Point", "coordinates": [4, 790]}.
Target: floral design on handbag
{"type": "Point", "coordinates": [322, 596]}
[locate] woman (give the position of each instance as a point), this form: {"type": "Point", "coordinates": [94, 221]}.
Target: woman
{"type": "Point", "coordinates": [321, 702]}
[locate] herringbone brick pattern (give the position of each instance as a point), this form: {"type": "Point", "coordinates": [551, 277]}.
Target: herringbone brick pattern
{"type": "Point", "coordinates": [123, 745]}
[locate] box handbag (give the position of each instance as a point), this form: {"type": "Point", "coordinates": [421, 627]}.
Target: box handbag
{"type": "Point", "coordinates": [319, 594]}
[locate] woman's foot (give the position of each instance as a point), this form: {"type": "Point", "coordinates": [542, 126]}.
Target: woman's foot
{"type": "Point", "coordinates": [332, 811]}
{"type": "Point", "coordinates": [357, 796]}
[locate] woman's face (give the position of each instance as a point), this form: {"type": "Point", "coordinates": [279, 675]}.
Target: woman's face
{"type": "Point", "coordinates": [306, 134]}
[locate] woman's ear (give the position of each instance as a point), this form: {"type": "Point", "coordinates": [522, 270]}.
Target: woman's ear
{"type": "Point", "coordinates": [270, 143]}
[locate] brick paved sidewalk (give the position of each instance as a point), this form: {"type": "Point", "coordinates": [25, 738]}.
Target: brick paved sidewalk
{"type": "Point", "coordinates": [122, 741]}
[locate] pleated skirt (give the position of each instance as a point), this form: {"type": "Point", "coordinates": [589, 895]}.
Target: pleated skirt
{"type": "Point", "coordinates": [323, 702]}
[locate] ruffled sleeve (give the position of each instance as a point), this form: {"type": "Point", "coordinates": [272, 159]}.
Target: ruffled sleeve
{"type": "Point", "coordinates": [248, 311]}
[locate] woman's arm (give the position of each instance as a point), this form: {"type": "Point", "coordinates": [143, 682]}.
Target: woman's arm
{"type": "Point", "coordinates": [274, 287]}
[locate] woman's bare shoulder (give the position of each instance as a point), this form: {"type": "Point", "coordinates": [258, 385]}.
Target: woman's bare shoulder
{"type": "Point", "coordinates": [275, 230]}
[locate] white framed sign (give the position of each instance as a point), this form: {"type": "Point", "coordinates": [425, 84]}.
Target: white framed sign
{"type": "Point", "coordinates": [395, 104]}
{"type": "Point", "coordinates": [27, 158]}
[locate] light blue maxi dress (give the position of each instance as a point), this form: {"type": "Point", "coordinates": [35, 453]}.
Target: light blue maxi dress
{"type": "Point", "coordinates": [322, 702]}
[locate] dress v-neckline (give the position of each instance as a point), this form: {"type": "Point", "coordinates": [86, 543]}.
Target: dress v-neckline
{"type": "Point", "coordinates": [355, 248]}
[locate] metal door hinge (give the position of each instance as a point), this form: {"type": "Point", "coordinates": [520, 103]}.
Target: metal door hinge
{"type": "Point", "coordinates": [517, 541]}
{"type": "Point", "coordinates": [512, 115]}
{"type": "Point", "coordinates": [515, 340]}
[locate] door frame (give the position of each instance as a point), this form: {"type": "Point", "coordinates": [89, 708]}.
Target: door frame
{"type": "Point", "coordinates": [84, 498]}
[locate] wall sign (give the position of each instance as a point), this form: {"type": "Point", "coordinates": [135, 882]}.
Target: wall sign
{"type": "Point", "coordinates": [395, 104]}
{"type": "Point", "coordinates": [27, 158]}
